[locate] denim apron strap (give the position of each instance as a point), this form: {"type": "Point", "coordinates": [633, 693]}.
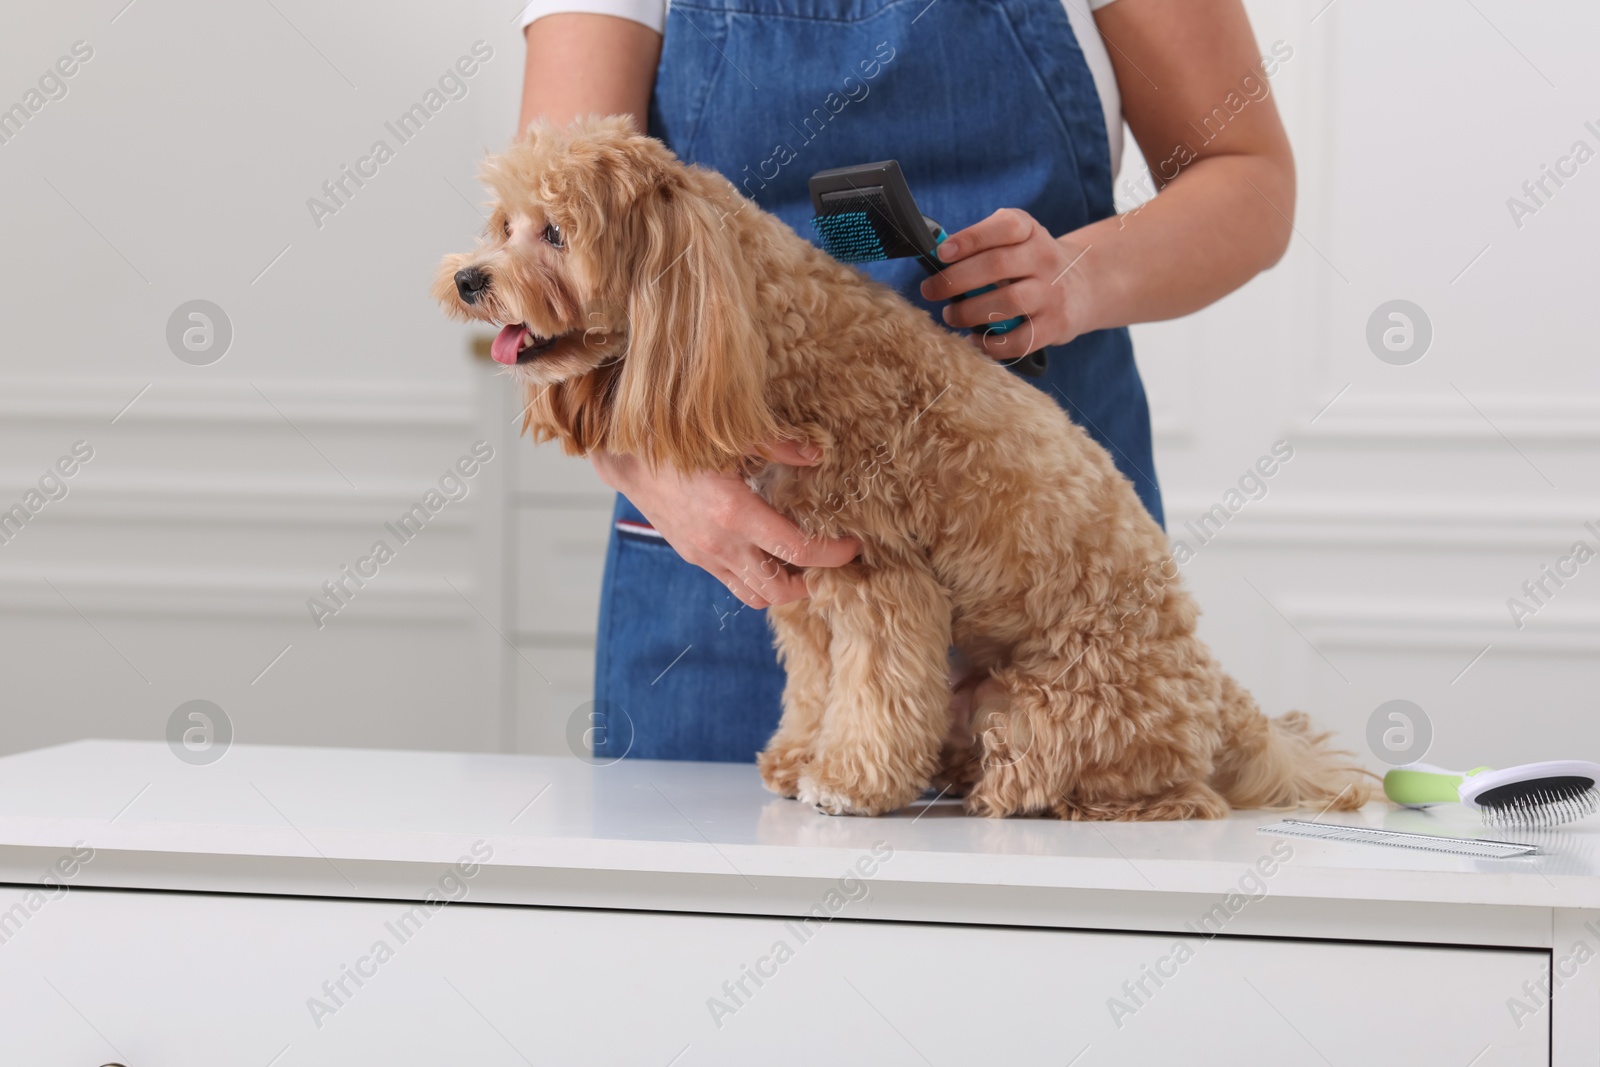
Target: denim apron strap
{"type": "Point", "coordinates": [986, 104]}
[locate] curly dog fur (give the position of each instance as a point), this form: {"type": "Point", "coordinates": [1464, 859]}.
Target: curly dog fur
{"type": "Point", "coordinates": [671, 319]}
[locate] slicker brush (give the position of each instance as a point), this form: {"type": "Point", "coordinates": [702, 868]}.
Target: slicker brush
{"type": "Point", "coordinates": [1534, 796]}
{"type": "Point", "coordinates": [866, 214]}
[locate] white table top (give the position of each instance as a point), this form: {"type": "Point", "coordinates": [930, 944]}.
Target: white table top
{"type": "Point", "coordinates": [343, 807]}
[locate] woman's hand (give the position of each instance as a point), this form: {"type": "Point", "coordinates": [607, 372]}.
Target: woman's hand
{"type": "Point", "coordinates": [1036, 279]}
{"type": "Point", "coordinates": [719, 524]}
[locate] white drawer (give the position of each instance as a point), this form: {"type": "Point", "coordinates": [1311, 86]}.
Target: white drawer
{"type": "Point", "coordinates": [169, 980]}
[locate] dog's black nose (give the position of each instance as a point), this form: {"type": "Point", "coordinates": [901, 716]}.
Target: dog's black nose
{"type": "Point", "coordinates": [470, 282]}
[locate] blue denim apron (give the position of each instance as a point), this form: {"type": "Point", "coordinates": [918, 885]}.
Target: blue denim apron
{"type": "Point", "coordinates": [986, 104]}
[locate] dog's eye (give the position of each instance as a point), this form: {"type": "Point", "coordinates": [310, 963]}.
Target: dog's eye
{"type": "Point", "coordinates": [552, 233]}
{"type": "Point", "coordinates": [505, 228]}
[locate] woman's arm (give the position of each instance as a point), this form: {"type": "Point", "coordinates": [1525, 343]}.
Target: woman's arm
{"type": "Point", "coordinates": [1222, 215]}
{"type": "Point", "coordinates": [581, 64]}
{"type": "Point", "coordinates": [1226, 215]}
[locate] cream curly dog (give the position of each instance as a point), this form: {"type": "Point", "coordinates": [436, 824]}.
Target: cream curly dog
{"type": "Point", "coordinates": [654, 311]}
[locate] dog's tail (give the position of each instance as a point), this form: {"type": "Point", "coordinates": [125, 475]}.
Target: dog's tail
{"type": "Point", "coordinates": [1282, 762]}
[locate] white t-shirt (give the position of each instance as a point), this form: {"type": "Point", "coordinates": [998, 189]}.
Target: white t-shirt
{"type": "Point", "coordinates": [1080, 13]}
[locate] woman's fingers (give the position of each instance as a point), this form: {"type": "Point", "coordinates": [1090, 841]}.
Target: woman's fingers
{"type": "Point", "coordinates": [763, 581]}
{"type": "Point", "coordinates": [742, 591]}
{"type": "Point", "coordinates": [720, 524]}
{"type": "Point", "coordinates": [1004, 245]}
{"type": "Point", "coordinates": [782, 587]}
{"type": "Point", "coordinates": [1008, 226]}
{"type": "Point", "coordinates": [769, 554]}
{"type": "Point", "coordinates": [1025, 270]}
{"type": "Point", "coordinates": [787, 543]}
{"type": "Point", "coordinates": [813, 551]}
{"type": "Point", "coordinates": [1007, 302]}
{"type": "Point", "coordinates": [991, 267]}
{"type": "Point", "coordinates": [1042, 318]}
{"type": "Point", "coordinates": [1011, 345]}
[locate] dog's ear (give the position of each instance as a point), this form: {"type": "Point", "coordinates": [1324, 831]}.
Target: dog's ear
{"type": "Point", "coordinates": [690, 391]}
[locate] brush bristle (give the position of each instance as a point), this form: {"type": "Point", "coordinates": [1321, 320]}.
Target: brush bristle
{"type": "Point", "coordinates": [1542, 808]}
{"type": "Point", "coordinates": [849, 237]}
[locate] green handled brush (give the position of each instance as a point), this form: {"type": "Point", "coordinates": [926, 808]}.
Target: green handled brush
{"type": "Point", "coordinates": [1534, 796]}
{"type": "Point", "coordinates": [866, 213]}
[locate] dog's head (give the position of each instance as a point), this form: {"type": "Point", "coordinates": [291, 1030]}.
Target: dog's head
{"type": "Point", "coordinates": [624, 306]}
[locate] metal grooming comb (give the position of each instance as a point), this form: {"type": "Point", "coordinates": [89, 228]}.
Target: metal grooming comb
{"type": "Point", "coordinates": [1458, 846]}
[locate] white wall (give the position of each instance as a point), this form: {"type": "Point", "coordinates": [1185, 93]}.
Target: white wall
{"type": "Point", "coordinates": [178, 167]}
{"type": "Point", "coordinates": [1426, 494]}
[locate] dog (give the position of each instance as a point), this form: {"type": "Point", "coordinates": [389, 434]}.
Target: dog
{"type": "Point", "coordinates": [651, 310]}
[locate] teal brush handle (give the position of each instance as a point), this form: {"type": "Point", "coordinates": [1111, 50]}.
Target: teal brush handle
{"type": "Point", "coordinates": [1033, 364]}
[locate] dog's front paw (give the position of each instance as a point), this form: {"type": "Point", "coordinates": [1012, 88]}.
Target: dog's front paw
{"type": "Point", "coordinates": [826, 801]}
{"type": "Point", "coordinates": [781, 767]}
{"type": "Point", "coordinates": [834, 788]}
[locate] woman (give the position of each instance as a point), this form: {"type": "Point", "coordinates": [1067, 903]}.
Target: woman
{"type": "Point", "coordinates": [1006, 117]}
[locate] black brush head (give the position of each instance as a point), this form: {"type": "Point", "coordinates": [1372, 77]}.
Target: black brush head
{"type": "Point", "coordinates": [1539, 802]}
{"type": "Point", "coordinates": [866, 212]}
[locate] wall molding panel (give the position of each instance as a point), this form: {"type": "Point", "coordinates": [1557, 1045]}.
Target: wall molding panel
{"type": "Point", "coordinates": [177, 401]}
{"type": "Point", "coordinates": [298, 501]}
{"type": "Point", "coordinates": [1376, 522]}
{"type": "Point", "coordinates": [253, 594]}
{"type": "Point", "coordinates": [1440, 624]}
{"type": "Point", "coordinates": [195, 539]}
{"type": "Point", "coordinates": [1448, 418]}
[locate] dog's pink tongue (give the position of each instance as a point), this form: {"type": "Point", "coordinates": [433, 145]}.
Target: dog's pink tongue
{"type": "Point", "coordinates": [506, 343]}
